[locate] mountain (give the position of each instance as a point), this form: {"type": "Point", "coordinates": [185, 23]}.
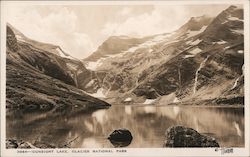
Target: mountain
{"type": "Point", "coordinates": [212, 57]}
{"type": "Point", "coordinates": [40, 80]}
{"type": "Point", "coordinates": [227, 26]}
{"type": "Point", "coordinates": [39, 45]}
{"type": "Point", "coordinates": [114, 45]}
{"type": "Point", "coordinates": [201, 61]}
{"type": "Point", "coordinates": [194, 26]}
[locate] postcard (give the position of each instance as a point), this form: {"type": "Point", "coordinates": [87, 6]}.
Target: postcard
{"type": "Point", "coordinates": [125, 78]}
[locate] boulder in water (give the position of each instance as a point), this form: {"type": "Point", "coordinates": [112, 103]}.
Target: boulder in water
{"type": "Point", "coordinates": [120, 137]}
{"type": "Point", "coordinates": [180, 136]}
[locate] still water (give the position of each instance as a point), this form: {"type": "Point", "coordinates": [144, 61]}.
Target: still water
{"type": "Point", "coordinates": [146, 123]}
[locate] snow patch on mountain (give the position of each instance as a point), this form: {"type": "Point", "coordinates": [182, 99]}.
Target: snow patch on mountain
{"type": "Point", "coordinates": [115, 55]}
{"type": "Point", "coordinates": [156, 40]}
{"type": "Point", "coordinates": [240, 51]}
{"type": "Point", "coordinates": [176, 100]}
{"type": "Point", "coordinates": [227, 47]}
{"type": "Point", "coordinates": [193, 33]}
{"type": "Point", "coordinates": [128, 99]}
{"type": "Point", "coordinates": [90, 83]}
{"type": "Point", "coordinates": [234, 18]}
{"type": "Point", "coordinates": [149, 101]}
{"type": "Point", "coordinates": [99, 93]}
{"type": "Point", "coordinates": [195, 51]}
{"type": "Point", "coordinates": [238, 31]}
{"type": "Point", "coordinates": [197, 41]}
{"type": "Point", "coordinates": [221, 42]}
{"type": "Point", "coordinates": [19, 38]}
{"type": "Point", "coordinates": [188, 56]}
{"type": "Point", "coordinates": [94, 65]}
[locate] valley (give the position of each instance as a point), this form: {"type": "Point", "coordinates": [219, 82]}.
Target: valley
{"type": "Point", "coordinates": [145, 84]}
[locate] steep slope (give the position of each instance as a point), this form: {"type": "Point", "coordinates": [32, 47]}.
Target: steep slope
{"type": "Point", "coordinates": [124, 70]}
{"type": "Point", "coordinates": [39, 45]}
{"type": "Point", "coordinates": [65, 67]}
{"type": "Point", "coordinates": [208, 69]}
{"type": "Point", "coordinates": [193, 27]}
{"type": "Point", "coordinates": [114, 45]}
{"type": "Point", "coordinates": [202, 60]}
{"type": "Point", "coordinates": [227, 26]}
{"type": "Point", "coordinates": [37, 83]}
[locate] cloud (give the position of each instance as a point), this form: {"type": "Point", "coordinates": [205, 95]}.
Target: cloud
{"type": "Point", "coordinates": [79, 30]}
{"type": "Point", "coordinates": [125, 11]}
{"type": "Point", "coordinates": [144, 24]}
{"type": "Point", "coordinates": [58, 27]}
{"type": "Point", "coordinates": [161, 19]}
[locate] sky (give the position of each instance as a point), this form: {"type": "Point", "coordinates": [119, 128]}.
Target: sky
{"type": "Point", "coordinates": [80, 29]}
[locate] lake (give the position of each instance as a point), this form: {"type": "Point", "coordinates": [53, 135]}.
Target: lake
{"type": "Point", "coordinates": [147, 124]}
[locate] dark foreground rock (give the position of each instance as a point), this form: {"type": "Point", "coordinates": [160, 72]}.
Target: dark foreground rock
{"type": "Point", "coordinates": [120, 137]}
{"type": "Point", "coordinates": [180, 136]}
{"type": "Point", "coordinates": [20, 144]}
{"type": "Point", "coordinates": [12, 144]}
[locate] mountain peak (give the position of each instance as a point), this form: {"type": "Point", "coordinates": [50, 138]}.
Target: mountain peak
{"type": "Point", "coordinates": [11, 39]}
{"type": "Point", "coordinates": [198, 18]}
{"type": "Point", "coordinates": [51, 48]}
{"type": "Point", "coordinates": [234, 7]}
{"type": "Point", "coordinates": [195, 24]}
{"type": "Point", "coordinates": [233, 10]}
{"type": "Point", "coordinates": [223, 27]}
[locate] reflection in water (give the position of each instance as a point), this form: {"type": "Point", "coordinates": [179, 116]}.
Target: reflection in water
{"type": "Point", "coordinates": [89, 126]}
{"type": "Point", "coordinates": [120, 144]}
{"type": "Point", "coordinates": [128, 109]}
{"type": "Point", "coordinates": [236, 125]}
{"type": "Point", "coordinates": [90, 143]}
{"type": "Point", "coordinates": [147, 123]}
{"type": "Point", "coordinates": [176, 110]}
{"type": "Point", "coordinates": [196, 125]}
{"type": "Point", "coordinates": [70, 135]}
{"type": "Point", "coordinates": [99, 115]}
{"type": "Point", "coordinates": [149, 109]}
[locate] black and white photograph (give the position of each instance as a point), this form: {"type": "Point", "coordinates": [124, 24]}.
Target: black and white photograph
{"type": "Point", "coordinates": [106, 78]}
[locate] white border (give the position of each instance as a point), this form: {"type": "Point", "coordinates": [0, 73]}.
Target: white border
{"type": "Point", "coordinates": [146, 152]}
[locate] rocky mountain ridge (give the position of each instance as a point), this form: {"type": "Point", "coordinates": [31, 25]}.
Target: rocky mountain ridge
{"type": "Point", "coordinates": [201, 61]}
{"type": "Point", "coordinates": [36, 81]}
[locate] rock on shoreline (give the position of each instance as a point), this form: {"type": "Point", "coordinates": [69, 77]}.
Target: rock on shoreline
{"type": "Point", "coordinates": [20, 144]}
{"type": "Point", "coordinates": [12, 143]}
